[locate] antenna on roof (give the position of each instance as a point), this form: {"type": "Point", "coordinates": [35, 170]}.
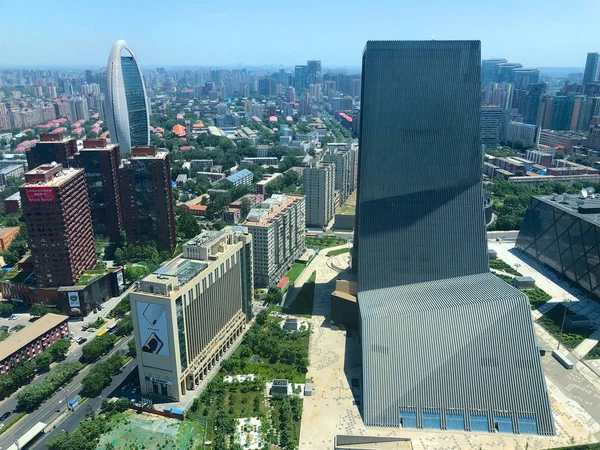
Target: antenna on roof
{"type": "Point", "coordinates": [584, 193]}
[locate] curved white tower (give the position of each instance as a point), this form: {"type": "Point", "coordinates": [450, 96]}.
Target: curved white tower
{"type": "Point", "coordinates": [127, 112]}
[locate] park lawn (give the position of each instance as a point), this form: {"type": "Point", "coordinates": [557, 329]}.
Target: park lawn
{"type": "Point", "coordinates": [339, 251]}
{"type": "Point", "coordinates": [295, 272]}
{"type": "Point", "coordinates": [498, 264]}
{"type": "Point", "coordinates": [324, 242]}
{"type": "Point", "coordinates": [552, 321]}
{"type": "Point", "coordinates": [303, 304]}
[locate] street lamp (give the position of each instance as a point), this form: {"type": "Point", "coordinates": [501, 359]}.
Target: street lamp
{"type": "Point", "coordinates": [567, 301]}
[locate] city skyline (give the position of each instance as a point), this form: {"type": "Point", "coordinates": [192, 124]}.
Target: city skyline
{"type": "Point", "coordinates": [208, 35]}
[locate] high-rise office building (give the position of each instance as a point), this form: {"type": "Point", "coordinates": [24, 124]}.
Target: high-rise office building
{"type": "Point", "coordinates": [488, 70]}
{"type": "Point", "coordinates": [445, 343]}
{"type": "Point", "coordinates": [59, 224]}
{"type": "Point", "coordinates": [592, 68]}
{"type": "Point", "coordinates": [491, 122]}
{"type": "Point", "coordinates": [52, 147]}
{"type": "Point", "coordinates": [101, 164]}
{"type": "Point", "coordinates": [127, 110]}
{"type": "Point", "coordinates": [147, 198]}
{"type": "Point", "coordinates": [300, 78]}
{"type": "Point", "coordinates": [344, 157]}
{"type": "Point", "coordinates": [504, 72]}
{"type": "Point", "coordinates": [591, 109]}
{"type": "Point", "coordinates": [523, 77]}
{"type": "Point", "coordinates": [187, 314]}
{"type": "Point", "coordinates": [278, 228]}
{"type": "Point", "coordinates": [79, 109]}
{"type": "Point", "coordinates": [532, 102]}
{"type": "Point", "coordinates": [319, 187]}
{"type": "Point", "coordinates": [313, 72]}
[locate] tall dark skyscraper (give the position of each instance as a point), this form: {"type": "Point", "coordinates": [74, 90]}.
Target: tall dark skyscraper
{"type": "Point", "coordinates": [592, 68]}
{"type": "Point", "coordinates": [488, 70]}
{"type": "Point", "coordinates": [445, 343]}
{"type": "Point", "coordinates": [313, 75]}
{"type": "Point", "coordinates": [300, 80]}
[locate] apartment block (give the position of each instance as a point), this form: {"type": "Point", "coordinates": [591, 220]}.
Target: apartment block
{"type": "Point", "coordinates": [344, 157]}
{"type": "Point", "coordinates": [278, 231]}
{"type": "Point", "coordinates": [319, 186]}
{"type": "Point", "coordinates": [57, 215]}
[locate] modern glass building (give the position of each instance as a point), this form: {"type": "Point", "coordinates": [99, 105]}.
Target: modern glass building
{"type": "Point", "coordinates": [445, 344]}
{"type": "Point", "coordinates": [127, 111]}
{"type": "Point", "coordinates": [563, 232]}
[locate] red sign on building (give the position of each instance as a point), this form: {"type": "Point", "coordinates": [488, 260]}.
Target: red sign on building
{"type": "Point", "coordinates": [41, 194]}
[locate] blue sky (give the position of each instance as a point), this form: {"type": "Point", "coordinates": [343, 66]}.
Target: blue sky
{"type": "Point", "coordinates": [281, 32]}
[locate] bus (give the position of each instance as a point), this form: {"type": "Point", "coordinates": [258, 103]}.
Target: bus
{"type": "Point", "coordinates": [29, 438]}
{"type": "Point", "coordinates": [103, 332]}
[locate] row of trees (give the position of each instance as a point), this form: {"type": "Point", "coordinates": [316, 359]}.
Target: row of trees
{"type": "Point", "coordinates": [17, 248]}
{"type": "Point", "coordinates": [23, 372]}
{"type": "Point", "coordinates": [30, 397]}
{"type": "Point", "coordinates": [101, 375]}
{"type": "Point", "coordinates": [286, 415]}
{"type": "Point", "coordinates": [97, 347]}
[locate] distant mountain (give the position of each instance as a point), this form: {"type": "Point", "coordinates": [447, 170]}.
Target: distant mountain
{"type": "Point", "coordinates": [560, 72]}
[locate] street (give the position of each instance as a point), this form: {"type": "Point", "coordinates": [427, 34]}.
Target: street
{"type": "Point", "coordinates": [72, 420]}
{"type": "Point", "coordinates": [56, 405]}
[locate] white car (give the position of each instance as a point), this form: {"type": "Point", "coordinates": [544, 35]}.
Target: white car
{"type": "Point", "coordinates": [1, 426]}
{"type": "Point", "coordinates": [13, 317]}
{"type": "Point", "coordinates": [91, 330]}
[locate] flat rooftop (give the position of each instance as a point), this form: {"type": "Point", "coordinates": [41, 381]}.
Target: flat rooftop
{"type": "Point", "coordinates": [262, 217]}
{"type": "Point", "coordinates": [586, 209]}
{"type": "Point", "coordinates": [30, 333]}
{"type": "Point", "coordinates": [5, 231]}
{"type": "Point", "coordinates": [60, 177]}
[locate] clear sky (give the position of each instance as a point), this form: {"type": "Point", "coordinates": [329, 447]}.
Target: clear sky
{"type": "Point", "coordinates": [80, 33]}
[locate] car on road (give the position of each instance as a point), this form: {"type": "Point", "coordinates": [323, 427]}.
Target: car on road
{"type": "Point", "coordinates": [13, 317]}
{"type": "Point", "coordinates": [91, 330]}
{"type": "Point", "coordinates": [4, 416]}
{"type": "Point", "coordinates": [81, 340]}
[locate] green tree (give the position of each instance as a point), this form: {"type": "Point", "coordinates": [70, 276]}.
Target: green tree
{"type": "Point", "coordinates": [6, 309]}
{"type": "Point", "coordinates": [187, 226]}
{"type": "Point", "coordinates": [262, 316]}
{"type": "Point", "coordinates": [134, 273]}
{"type": "Point", "coordinates": [131, 347]}
{"type": "Point", "coordinates": [41, 310]}
{"type": "Point", "coordinates": [93, 350]}
{"type": "Point", "coordinates": [59, 349]}
{"type": "Point", "coordinates": [42, 361]}
{"type": "Point", "coordinates": [124, 326]}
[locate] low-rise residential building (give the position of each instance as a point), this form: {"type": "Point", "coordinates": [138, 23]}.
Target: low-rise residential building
{"type": "Point", "coordinates": [244, 176]}
{"type": "Point", "coordinates": [195, 206]}
{"type": "Point", "coordinates": [269, 160]}
{"type": "Point", "coordinates": [538, 157]}
{"type": "Point", "coordinates": [188, 313]}
{"type": "Point", "coordinates": [32, 340]}
{"type": "Point", "coordinates": [253, 199]}
{"type": "Point", "coordinates": [278, 231]}
{"type": "Point", "coordinates": [12, 204]}
{"type": "Point", "coordinates": [518, 131]}
{"type": "Point", "coordinates": [212, 176]}
{"type": "Point", "coordinates": [262, 184]}
{"type": "Point", "coordinates": [181, 180]}
{"type": "Point", "coordinates": [200, 164]}
{"type": "Point", "coordinates": [232, 215]}
{"type": "Point", "coordinates": [7, 235]}
{"type": "Point", "coordinates": [564, 139]}
{"type": "Point", "coordinates": [9, 172]}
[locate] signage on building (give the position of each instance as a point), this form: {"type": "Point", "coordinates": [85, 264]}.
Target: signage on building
{"type": "Point", "coordinates": [120, 281]}
{"type": "Point", "coordinates": [40, 194]}
{"type": "Point", "coordinates": [73, 299]}
{"type": "Point", "coordinates": [158, 380]}
{"type": "Point", "coordinates": [152, 319]}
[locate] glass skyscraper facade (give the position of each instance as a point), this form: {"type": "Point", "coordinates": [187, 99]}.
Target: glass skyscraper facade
{"type": "Point", "coordinates": [127, 111]}
{"type": "Point", "coordinates": [564, 235]}
{"type": "Point", "coordinates": [445, 343]}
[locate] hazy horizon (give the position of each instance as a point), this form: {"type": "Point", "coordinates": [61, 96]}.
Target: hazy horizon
{"type": "Point", "coordinates": [206, 33]}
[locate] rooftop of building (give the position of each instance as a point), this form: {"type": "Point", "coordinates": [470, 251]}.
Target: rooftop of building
{"type": "Point", "coordinates": [97, 144]}
{"type": "Point", "coordinates": [179, 130]}
{"type": "Point", "coordinates": [15, 196]}
{"type": "Point", "coordinates": [30, 333]}
{"type": "Point", "coordinates": [268, 178]}
{"type": "Point", "coordinates": [239, 175]}
{"type": "Point", "coordinates": [148, 152]}
{"type": "Point", "coordinates": [7, 231]}
{"type": "Point", "coordinates": [10, 169]}
{"type": "Point", "coordinates": [566, 133]}
{"type": "Point", "coordinates": [270, 209]}
{"type": "Point", "coordinates": [51, 175]}
{"type": "Point", "coordinates": [586, 208]}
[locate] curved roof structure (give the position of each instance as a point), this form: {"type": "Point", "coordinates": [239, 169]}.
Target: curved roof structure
{"type": "Point", "coordinates": [127, 112]}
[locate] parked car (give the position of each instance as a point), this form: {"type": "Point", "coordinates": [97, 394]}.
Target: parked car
{"type": "Point", "coordinates": [13, 317]}
{"type": "Point", "coordinates": [80, 340]}
{"type": "Point", "coordinates": [4, 416]}
{"type": "Point", "coordinates": [91, 330]}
